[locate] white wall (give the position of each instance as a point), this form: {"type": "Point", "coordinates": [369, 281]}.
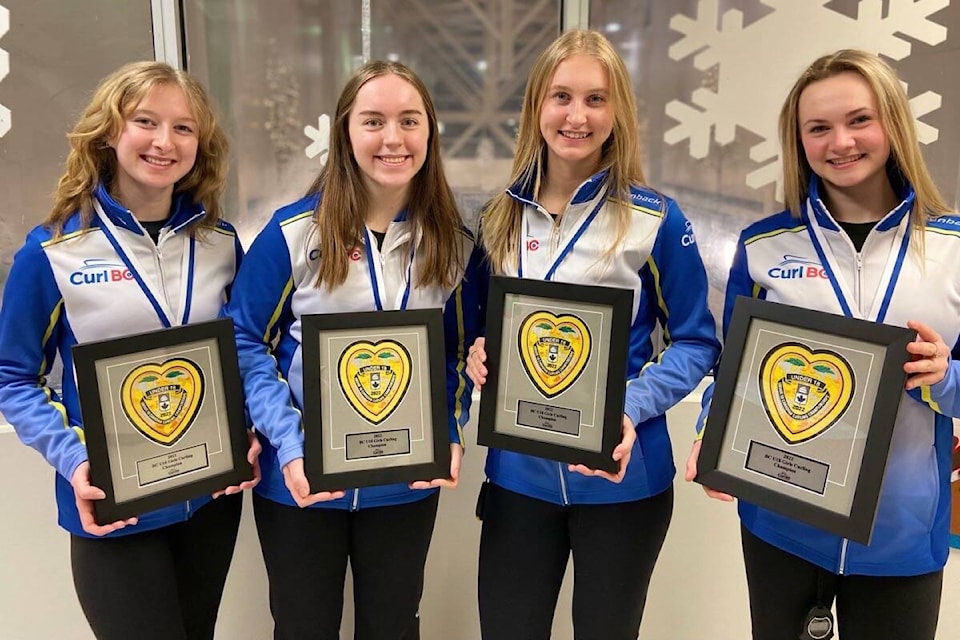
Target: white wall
{"type": "Point", "coordinates": [698, 590]}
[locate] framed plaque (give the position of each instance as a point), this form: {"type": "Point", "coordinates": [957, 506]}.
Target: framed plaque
{"type": "Point", "coordinates": [163, 417]}
{"type": "Point", "coordinates": [374, 398]}
{"type": "Point", "coordinates": [556, 370]}
{"type": "Point", "coordinates": [803, 412]}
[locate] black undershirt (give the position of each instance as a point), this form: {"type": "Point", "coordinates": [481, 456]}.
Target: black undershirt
{"type": "Point", "coordinates": [379, 235]}
{"type": "Point", "coordinates": [857, 232]}
{"type": "Point", "coordinates": [153, 228]}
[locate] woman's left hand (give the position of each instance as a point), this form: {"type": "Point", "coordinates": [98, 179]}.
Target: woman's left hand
{"type": "Point", "coordinates": [253, 457]}
{"type": "Point", "coordinates": [621, 453]}
{"type": "Point", "coordinates": [929, 357]}
{"type": "Point", "coordinates": [456, 456]}
{"type": "Point", "coordinates": [691, 474]}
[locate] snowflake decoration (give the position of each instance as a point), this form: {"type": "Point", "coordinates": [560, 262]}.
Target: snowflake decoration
{"type": "Point", "coordinates": [321, 139]}
{"type": "Point", "coordinates": [4, 69]}
{"type": "Point", "coordinates": [800, 32]}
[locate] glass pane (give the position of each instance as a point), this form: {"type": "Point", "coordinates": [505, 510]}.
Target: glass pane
{"type": "Point", "coordinates": [56, 53]}
{"type": "Point", "coordinates": [475, 58]}
{"type": "Point", "coordinates": [276, 68]}
{"type": "Point", "coordinates": [710, 86]}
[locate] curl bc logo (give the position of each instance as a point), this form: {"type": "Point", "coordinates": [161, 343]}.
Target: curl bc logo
{"type": "Point", "coordinates": [688, 238]}
{"type": "Point", "coordinates": [374, 377]}
{"type": "Point", "coordinates": [793, 267]}
{"type": "Point", "coordinates": [533, 244]}
{"type": "Point", "coordinates": [355, 254]}
{"type": "Point", "coordinates": [162, 400]}
{"type": "Point", "coordinates": [554, 350]}
{"type": "Point", "coordinates": [803, 391]}
{"type": "Point", "coordinates": [98, 270]}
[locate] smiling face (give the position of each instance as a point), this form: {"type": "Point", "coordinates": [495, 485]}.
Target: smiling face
{"type": "Point", "coordinates": [389, 132]}
{"type": "Point", "coordinates": [842, 136]}
{"type": "Point", "coordinates": [577, 116]}
{"type": "Point", "coordinates": [156, 147]}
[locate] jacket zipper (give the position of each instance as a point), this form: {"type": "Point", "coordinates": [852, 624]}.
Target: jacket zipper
{"type": "Point", "coordinates": [163, 284]}
{"type": "Point", "coordinates": [859, 295]}
{"type": "Point", "coordinates": [563, 485]}
{"type": "Point", "coordinates": [356, 499]}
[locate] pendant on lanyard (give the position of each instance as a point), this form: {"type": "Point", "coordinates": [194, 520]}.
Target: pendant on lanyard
{"type": "Point", "coordinates": [817, 624]}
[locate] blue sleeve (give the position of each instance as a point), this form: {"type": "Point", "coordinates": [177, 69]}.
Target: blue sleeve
{"type": "Point", "coordinates": [462, 324]}
{"type": "Point", "coordinates": [739, 283]}
{"type": "Point", "coordinates": [238, 254]}
{"type": "Point", "coordinates": [237, 259]}
{"type": "Point", "coordinates": [675, 293]}
{"type": "Point", "coordinates": [32, 326]}
{"type": "Point", "coordinates": [261, 313]}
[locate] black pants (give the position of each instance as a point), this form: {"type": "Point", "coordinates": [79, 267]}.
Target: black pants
{"type": "Point", "coordinates": [524, 547]}
{"type": "Point", "coordinates": [164, 584]}
{"type": "Point", "coordinates": [783, 587]}
{"type": "Point", "coordinates": [306, 551]}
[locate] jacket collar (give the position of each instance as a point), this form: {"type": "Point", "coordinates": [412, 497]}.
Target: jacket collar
{"type": "Point", "coordinates": [183, 211]}
{"type": "Point", "coordinates": [825, 220]}
{"type": "Point", "coordinates": [522, 190]}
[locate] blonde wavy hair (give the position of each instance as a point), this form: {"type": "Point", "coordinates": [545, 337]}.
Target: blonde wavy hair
{"type": "Point", "coordinates": [340, 214]}
{"type": "Point", "coordinates": [91, 159]}
{"type": "Point", "coordinates": [895, 117]}
{"type": "Point", "coordinates": [620, 154]}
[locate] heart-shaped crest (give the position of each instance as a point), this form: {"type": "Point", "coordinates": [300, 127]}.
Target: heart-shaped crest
{"type": "Point", "coordinates": [374, 377]}
{"type": "Point", "coordinates": [554, 350]}
{"type": "Point", "coordinates": [804, 392]}
{"type": "Point", "coordinates": [162, 400]}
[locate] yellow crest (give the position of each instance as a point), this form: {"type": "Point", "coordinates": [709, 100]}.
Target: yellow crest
{"type": "Point", "coordinates": [804, 392]}
{"type": "Point", "coordinates": [374, 377]}
{"type": "Point", "coordinates": [161, 400]}
{"type": "Point", "coordinates": [554, 350]}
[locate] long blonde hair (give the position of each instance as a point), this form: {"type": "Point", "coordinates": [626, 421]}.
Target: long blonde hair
{"type": "Point", "coordinates": [92, 160]}
{"type": "Point", "coordinates": [431, 206]}
{"type": "Point", "coordinates": [895, 117]}
{"type": "Point", "coordinates": [620, 153]}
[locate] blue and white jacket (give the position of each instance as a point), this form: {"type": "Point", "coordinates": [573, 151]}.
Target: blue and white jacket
{"type": "Point", "coordinates": [93, 283]}
{"type": "Point", "coordinates": [276, 288]}
{"type": "Point", "coordinates": [810, 262]}
{"type": "Point", "coordinates": [658, 260]}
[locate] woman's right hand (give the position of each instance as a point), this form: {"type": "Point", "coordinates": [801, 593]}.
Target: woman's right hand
{"type": "Point", "coordinates": [691, 473]}
{"type": "Point", "coordinates": [85, 493]}
{"type": "Point", "coordinates": [299, 487]}
{"type": "Point", "coordinates": [476, 357]}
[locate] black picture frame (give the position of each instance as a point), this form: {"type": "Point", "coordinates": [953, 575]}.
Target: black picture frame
{"type": "Point", "coordinates": [190, 464]}
{"type": "Point", "coordinates": [799, 484]}
{"type": "Point", "coordinates": [335, 336]}
{"type": "Point", "coordinates": [500, 424]}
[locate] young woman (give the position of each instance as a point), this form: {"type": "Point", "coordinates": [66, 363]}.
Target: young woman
{"type": "Point", "coordinates": [377, 230]}
{"type": "Point", "coordinates": [140, 195]}
{"type": "Point", "coordinates": [578, 210]}
{"type": "Point", "coordinates": [862, 204]}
